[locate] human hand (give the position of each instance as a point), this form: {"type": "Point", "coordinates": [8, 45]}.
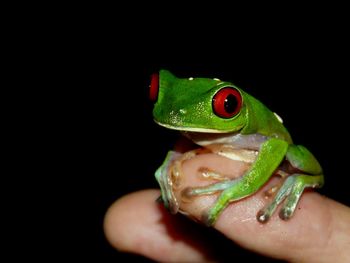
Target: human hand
{"type": "Point", "coordinates": [318, 232]}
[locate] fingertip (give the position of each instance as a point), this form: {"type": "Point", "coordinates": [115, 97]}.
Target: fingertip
{"type": "Point", "coordinates": [136, 223]}
{"type": "Point", "coordinates": [126, 217]}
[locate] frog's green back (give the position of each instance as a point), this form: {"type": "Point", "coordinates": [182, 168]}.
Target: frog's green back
{"type": "Point", "coordinates": [261, 120]}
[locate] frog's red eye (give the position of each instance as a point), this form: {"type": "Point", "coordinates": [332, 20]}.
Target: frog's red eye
{"type": "Point", "coordinates": [154, 86]}
{"type": "Point", "coordinates": [227, 102]}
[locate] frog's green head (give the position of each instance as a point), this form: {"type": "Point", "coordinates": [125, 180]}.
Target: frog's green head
{"type": "Point", "coordinates": [197, 104]}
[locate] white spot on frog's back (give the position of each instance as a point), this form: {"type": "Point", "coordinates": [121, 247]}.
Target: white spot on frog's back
{"type": "Point", "coordinates": [174, 118]}
{"type": "Point", "coordinates": [190, 78]}
{"type": "Point", "coordinates": [278, 117]}
{"type": "Point", "coordinates": [216, 79]}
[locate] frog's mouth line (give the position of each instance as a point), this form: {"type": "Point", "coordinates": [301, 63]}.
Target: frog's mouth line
{"type": "Point", "coordinates": [190, 129]}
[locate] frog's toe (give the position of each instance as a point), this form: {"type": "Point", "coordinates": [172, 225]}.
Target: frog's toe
{"type": "Point", "coordinates": [187, 194]}
{"type": "Point", "coordinates": [159, 200]}
{"type": "Point", "coordinates": [272, 190]}
{"type": "Point", "coordinates": [190, 192]}
{"type": "Point", "coordinates": [207, 219]}
{"type": "Point", "coordinates": [209, 174]}
{"type": "Point", "coordinates": [265, 213]}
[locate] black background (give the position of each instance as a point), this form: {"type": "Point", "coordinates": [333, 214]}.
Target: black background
{"type": "Point", "coordinates": [105, 141]}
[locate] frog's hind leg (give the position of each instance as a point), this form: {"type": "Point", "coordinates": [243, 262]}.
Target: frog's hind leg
{"type": "Point", "coordinates": [310, 175]}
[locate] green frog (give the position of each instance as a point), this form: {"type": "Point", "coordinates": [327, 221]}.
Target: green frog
{"type": "Point", "coordinates": [224, 119]}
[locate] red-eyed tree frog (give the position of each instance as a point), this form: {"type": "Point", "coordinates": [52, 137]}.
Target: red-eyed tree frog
{"type": "Point", "coordinates": [224, 119]}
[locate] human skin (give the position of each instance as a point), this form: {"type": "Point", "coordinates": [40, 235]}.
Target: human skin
{"type": "Point", "coordinates": [318, 232]}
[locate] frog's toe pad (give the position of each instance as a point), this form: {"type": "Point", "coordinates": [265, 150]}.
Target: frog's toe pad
{"type": "Point", "coordinates": [263, 216]}
{"type": "Point", "coordinates": [286, 213]}
{"type": "Point", "coordinates": [187, 194]}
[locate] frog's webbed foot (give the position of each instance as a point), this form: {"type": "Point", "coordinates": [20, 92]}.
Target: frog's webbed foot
{"type": "Point", "coordinates": [164, 180]}
{"type": "Point", "coordinates": [169, 176]}
{"type": "Point", "coordinates": [175, 168]}
{"type": "Point", "coordinates": [230, 193]}
{"type": "Point", "coordinates": [290, 191]}
{"type": "Point", "coordinates": [222, 181]}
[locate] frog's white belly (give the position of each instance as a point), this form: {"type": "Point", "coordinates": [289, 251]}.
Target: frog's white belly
{"type": "Point", "coordinates": [242, 155]}
{"type": "Point", "coordinates": [234, 146]}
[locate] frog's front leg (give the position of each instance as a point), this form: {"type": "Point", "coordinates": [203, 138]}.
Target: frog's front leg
{"type": "Point", "coordinates": [162, 175]}
{"type": "Point", "coordinates": [272, 152]}
{"type": "Point", "coordinates": [175, 169]}
{"type": "Point", "coordinates": [291, 190]}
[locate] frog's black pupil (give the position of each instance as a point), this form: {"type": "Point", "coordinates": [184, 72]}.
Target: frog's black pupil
{"type": "Point", "coordinates": [230, 103]}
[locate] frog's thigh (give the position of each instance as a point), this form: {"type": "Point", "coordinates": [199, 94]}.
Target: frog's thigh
{"type": "Point", "coordinates": [302, 159]}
